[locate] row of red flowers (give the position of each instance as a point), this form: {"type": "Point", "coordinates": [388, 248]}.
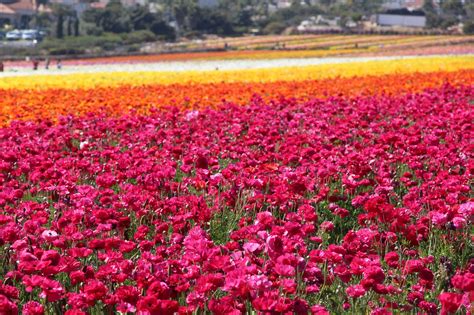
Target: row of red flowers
{"type": "Point", "coordinates": [336, 205]}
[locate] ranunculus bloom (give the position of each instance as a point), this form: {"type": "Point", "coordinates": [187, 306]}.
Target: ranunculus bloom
{"type": "Point", "coordinates": [33, 308]}
{"type": "Point", "coordinates": [450, 302]}
{"type": "Point", "coordinates": [355, 291]}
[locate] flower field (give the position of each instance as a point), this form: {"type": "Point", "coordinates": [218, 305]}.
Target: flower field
{"type": "Point", "coordinates": [324, 189]}
{"type": "Point", "coordinates": [290, 46]}
{"type": "Point", "coordinates": [318, 45]}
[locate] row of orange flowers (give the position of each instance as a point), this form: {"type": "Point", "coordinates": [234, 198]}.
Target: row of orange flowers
{"type": "Point", "coordinates": [50, 103]}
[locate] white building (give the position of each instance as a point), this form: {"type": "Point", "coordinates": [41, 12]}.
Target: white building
{"type": "Point", "coordinates": [403, 18]}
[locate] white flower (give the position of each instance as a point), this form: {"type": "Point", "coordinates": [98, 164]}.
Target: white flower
{"type": "Point", "coordinates": [83, 144]}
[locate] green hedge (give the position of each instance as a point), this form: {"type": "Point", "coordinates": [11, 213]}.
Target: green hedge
{"type": "Point", "coordinates": [105, 42]}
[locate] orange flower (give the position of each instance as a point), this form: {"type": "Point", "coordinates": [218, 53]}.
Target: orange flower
{"type": "Point", "coordinates": [50, 103]}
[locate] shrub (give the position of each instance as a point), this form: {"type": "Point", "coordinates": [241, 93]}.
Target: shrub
{"type": "Point", "coordinates": [163, 30]}
{"type": "Point", "coordinates": [274, 28]}
{"type": "Point", "coordinates": [468, 27]}
{"type": "Point", "coordinates": [80, 44]}
{"type": "Point", "coordinates": [139, 37]}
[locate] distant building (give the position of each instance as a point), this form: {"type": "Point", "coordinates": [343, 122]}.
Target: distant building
{"type": "Point", "coordinates": [100, 4]}
{"type": "Point", "coordinates": [320, 24]}
{"type": "Point", "coordinates": [208, 3]}
{"type": "Point", "coordinates": [18, 12]}
{"type": "Point", "coordinates": [402, 17]}
{"type": "Point", "coordinates": [7, 15]}
{"type": "Point", "coordinates": [276, 5]}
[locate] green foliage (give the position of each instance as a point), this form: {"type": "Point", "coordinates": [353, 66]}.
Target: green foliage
{"type": "Point", "coordinates": [163, 30]}
{"type": "Point", "coordinates": [59, 26]}
{"type": "Point", "coordinates": [433, 20]}
{"type": "Point", "coordinates": [63, 14]}
{"type": "Point", "coordinates": [468, 27]}
{"type": "Point", "coordinates": [224, 222]}
{"type": "Point", "coordinates": [80, 44]}
{"type": "Point", "coordinates": [141, 18]}
{"type": "Point", "coordinates": [448, 21]}
{"type": "Point", "coordinates": [211, 21]}
{"type": "Point", "coordinates": [231, 17]}
{"type": "Point", "coordinates": [115, 18]}
{"type": "Point", "coordinates": [453, 7]}
{"type": "Point", "coordinates": [367, 6]}
{"type": "Point", "coordinates": [294, 14]}
{"type": "Point", "coordinates": [93, 30]}
{"type": "Point", "coordinates": [448, 15]}
{"type": "Point", "coordinates": [41, 20]}
{"type": "Point", "coordinates": [469, 9]}
{"type": "Point", "coordinates": [138, 37]}
{"type": "Point", "coordinates": [92, 16]}
{"type": "Point", "coordinates": [428, 6]}
{"type": "Point", "coordinates": [274, 28]}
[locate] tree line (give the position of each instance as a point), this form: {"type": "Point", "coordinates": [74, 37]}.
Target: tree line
{"type": "Point", "coordinates": [168, 19]}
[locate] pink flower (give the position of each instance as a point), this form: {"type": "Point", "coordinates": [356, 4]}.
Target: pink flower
{"type": "Point", "coordinates": [327, 226]}
{"type": "Point", "coordinates": [49, 235]}
{"type": "Point", "coordinates": [438, 218]}
{"type": "Point", "coordinates": [224, 306]}
{"type": "Point", "coordinates": [355, 291]}
{"type": "Point", "coordinates": [319, 310]}
{"type": "Point", "coordinates": [284, 270]}
{"type": "Point", "coordinates": [33, 308]}
{"type": "Point", "coordinates": [251, 247]}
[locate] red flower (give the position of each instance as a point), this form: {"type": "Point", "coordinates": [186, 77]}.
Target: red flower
{"type": "Point", "coordinates": [374, 273]}
{"type": "Point", "coordinates": [429, 308]}
{"type": "Point", "coordinates": [7, 307]}
{"type": "Point", "coordinates": [51, 290]}
{"type": "Point", "coordinates": [150, 305]}
{"type": "Point", "coordinates": [450, 302]}
{"type": "Point", "coordinates": [392, 259]}
{"type": "Point", "coordinates": [463, 282]}
{"type": "Point", "coordinates": [413, 266]}
{"type": "Point", "coordinates": [223, 306]}
{"type": "Point", "coordinates": [95, 290]}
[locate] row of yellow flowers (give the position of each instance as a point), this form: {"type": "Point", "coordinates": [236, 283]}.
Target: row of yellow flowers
{"type": "Point", "coordinates": [326, 41]}
{"type": "Point", "coordinates": [316, 72]}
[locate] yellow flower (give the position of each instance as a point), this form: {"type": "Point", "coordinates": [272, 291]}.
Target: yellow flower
{"type": "Point", "coordinates": [316, 72]}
